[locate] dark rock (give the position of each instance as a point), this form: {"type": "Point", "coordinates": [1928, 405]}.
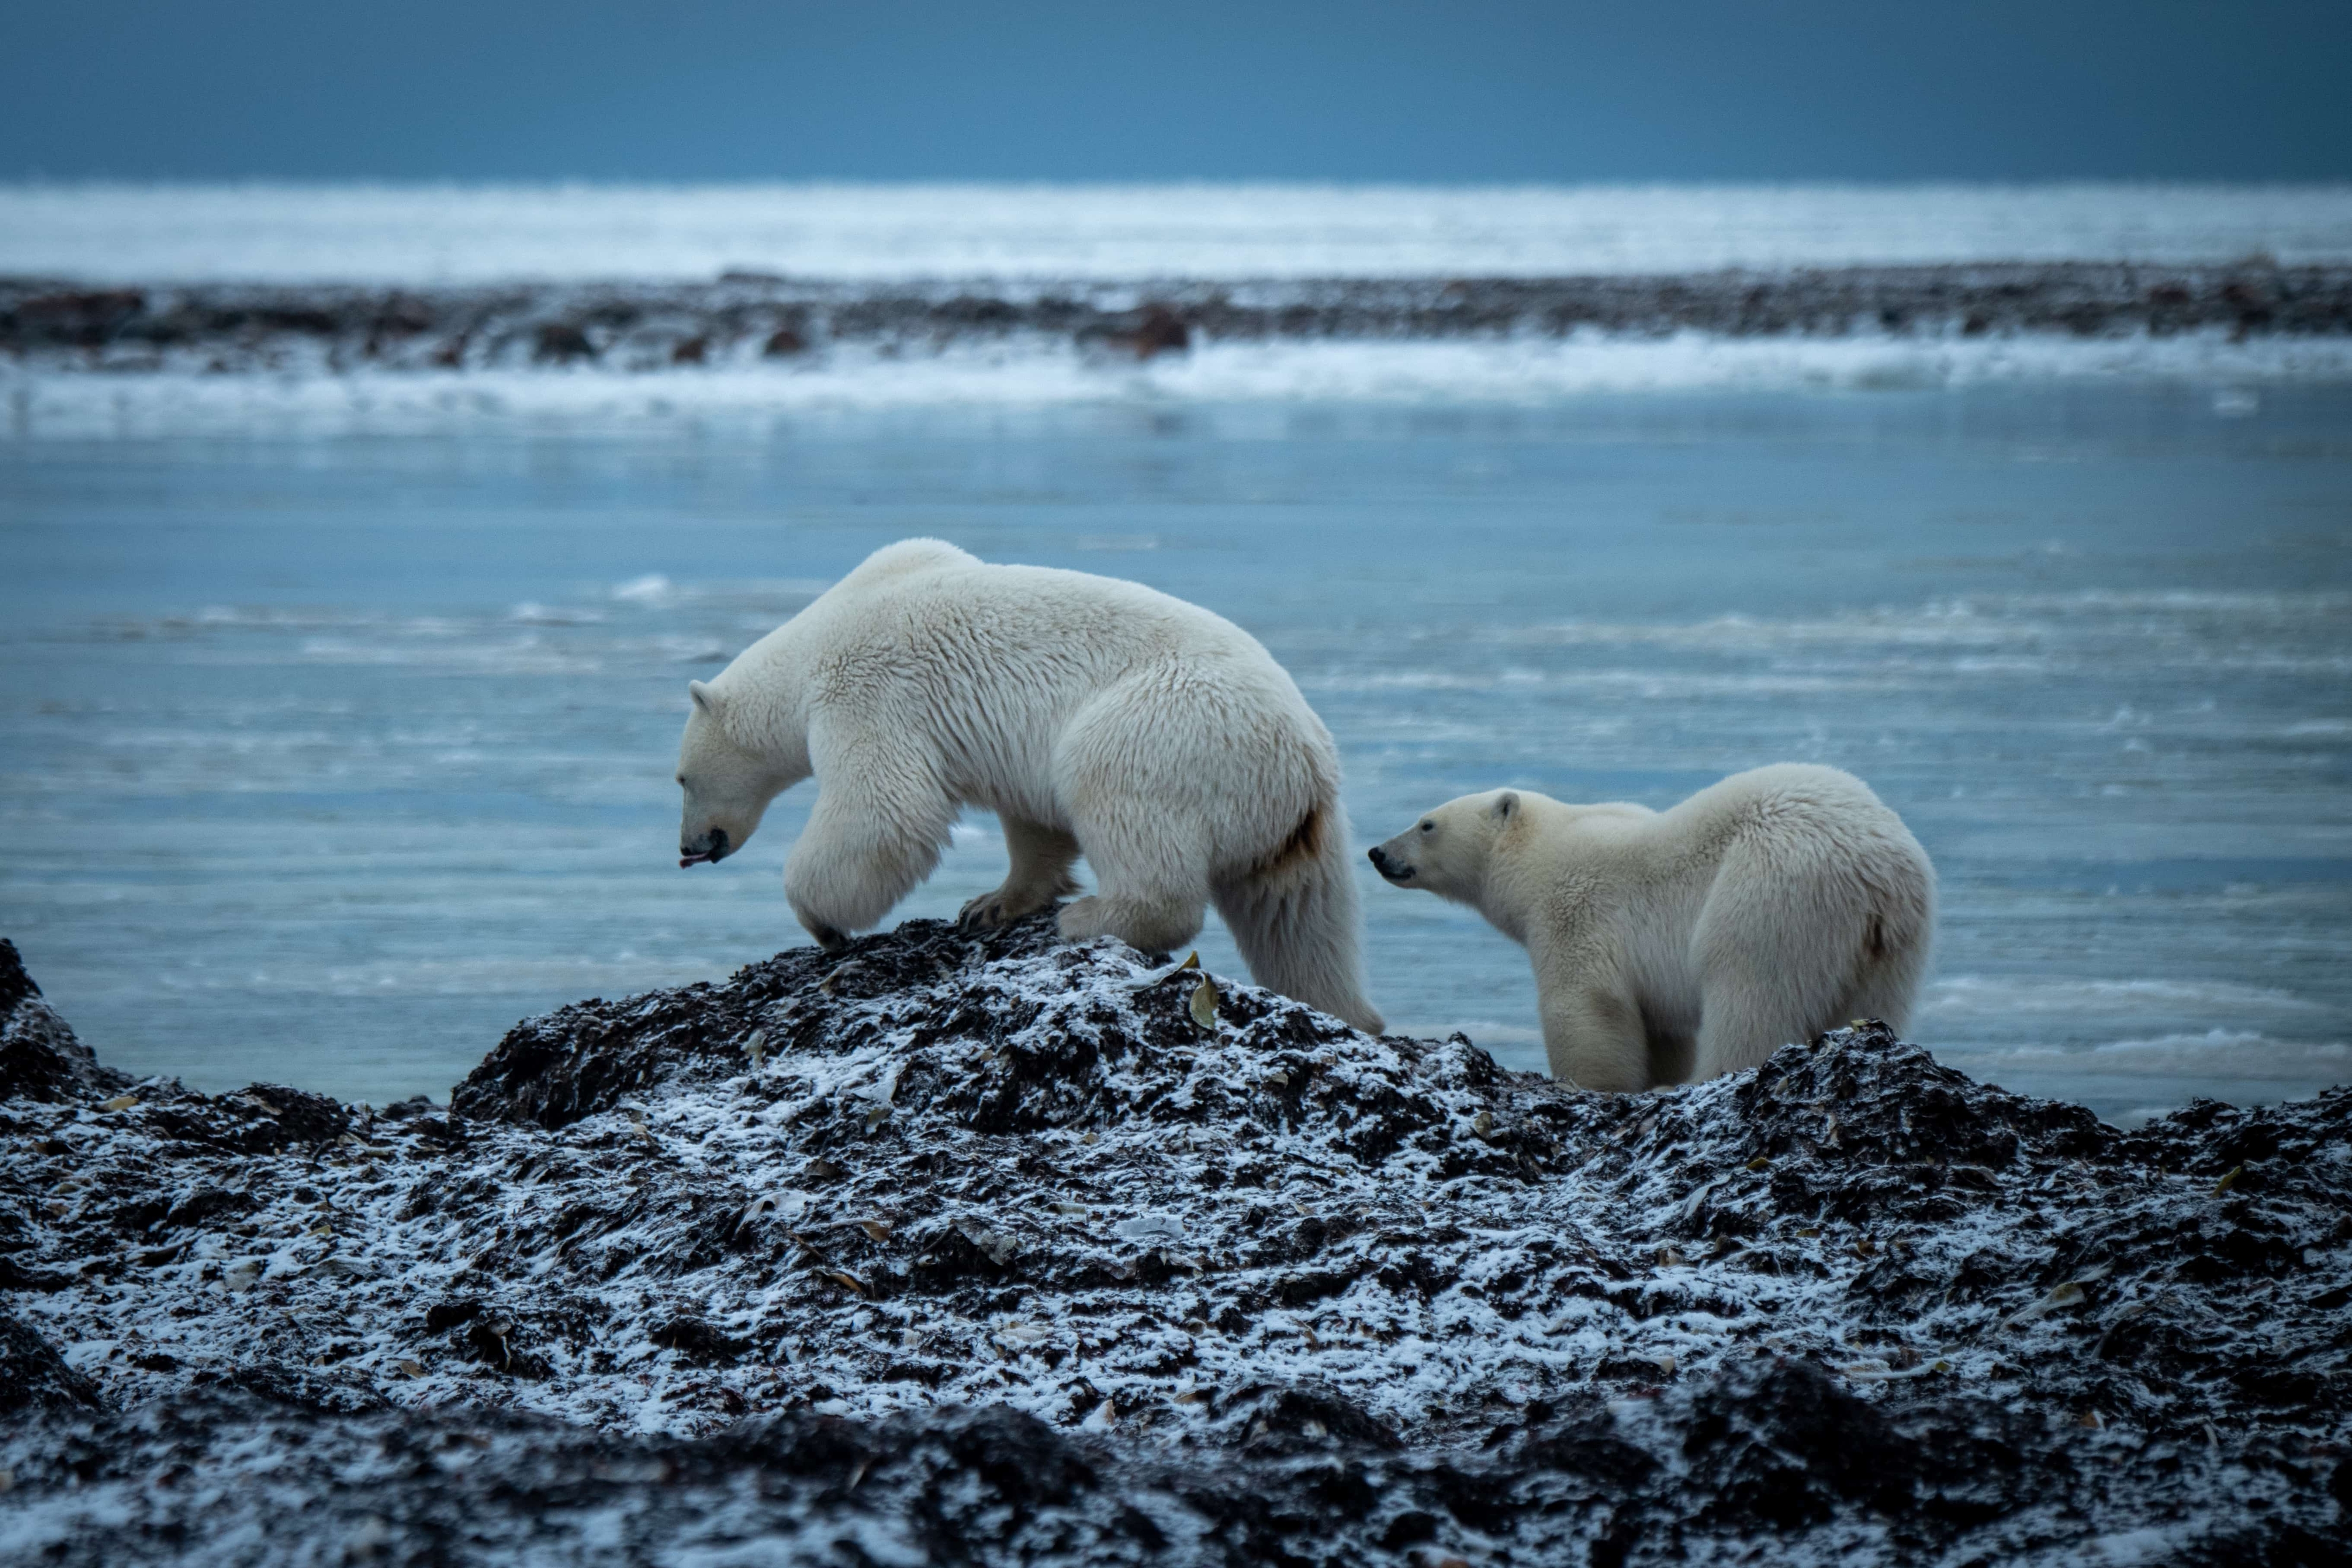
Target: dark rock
{"type": "Point", "coordinates": [14, 984]}
{"type": "Point", "coordinates": [298, 1388]}
{"type": "Point", "coordinates": [1289, 1419]}
{"type": "Point", "coordinates": [1826, 1103]}
{"type": "Point", "coordinates": [80, 318]}
{"type": "Point", "coordinates": [560, 342]}
{"type": "Point", "coordinates": [261, 1119]}
{"type": "Point", "coordinates": [301, 1116]}
{"type": "Point", "coordinates": [33, 1376]}
{"type": "Point", "coordinates": [590, 1055]}
{"type": "Point", "coordinates": [1161, 331]}
{"type": "Point", "coordinates": [696, 1341]}
{"type": "Point", "coordinates": [1783, 1445]}
{"type": "Point", "coordinates": [306, 320]}
{"type": "Point", "coordinates": [14, 1275]}
{"type": "Point", "coordinates": [197, 1205]}
{"type": "Point", "coordinates": [496, 1343]}
{"type": "Point", "coordinates": [400, 317]}
{"type": "Point", "coordinates": [971, 310]}
{"type": "Point", "coordinates": [40, 1058]}
{"type": "Point", "coordinates": [446, 1315]}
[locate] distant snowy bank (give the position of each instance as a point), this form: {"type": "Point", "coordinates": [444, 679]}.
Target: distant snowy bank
{"type": "Point", "coordinates": [351, 306]}
{"type": "Point", "coordinates": [76, 359]}
{"type": "Point", "coordinates": [446, 235]}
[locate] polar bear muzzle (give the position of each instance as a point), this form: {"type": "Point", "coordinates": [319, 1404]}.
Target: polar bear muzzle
{"type": "Point", "coordinates": [708, 849]}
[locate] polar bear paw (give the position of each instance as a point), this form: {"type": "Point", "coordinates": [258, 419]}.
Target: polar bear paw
{"type": "Point", "coordinates": [1002, 906]}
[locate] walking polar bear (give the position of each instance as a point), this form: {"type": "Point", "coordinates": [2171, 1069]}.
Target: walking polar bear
{"type": "Point", "coordinates": [1093, 716]}
{"type": "Point", "coordinates": [1668, 945]}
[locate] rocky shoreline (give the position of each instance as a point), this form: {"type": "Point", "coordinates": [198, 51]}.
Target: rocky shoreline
{"type": "Point", "coordinates": [962, 1249]}
{"type": "Point", "coordinates": [745, 319]}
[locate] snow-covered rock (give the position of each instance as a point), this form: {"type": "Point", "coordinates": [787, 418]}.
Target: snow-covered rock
{"type": "Point", "coordinates": [969, 1247]}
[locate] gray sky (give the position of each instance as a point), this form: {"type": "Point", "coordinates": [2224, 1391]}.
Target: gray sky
{"type": "Point", "coordinates": [1468, 91]}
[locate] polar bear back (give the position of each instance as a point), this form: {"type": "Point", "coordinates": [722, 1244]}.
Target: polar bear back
{"type": "Point", "coordinates": [1758, 842]}
{"type": "Point", "coordinates": [923, 611]}
{"type": "Point", "coordinates": [1763, 909]}
{"type": "Point", "coordinates": [1020, 683]}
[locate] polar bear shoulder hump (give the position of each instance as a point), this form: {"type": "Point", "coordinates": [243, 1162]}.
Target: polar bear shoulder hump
{"type": "Point", "coordinates": [906, 557]}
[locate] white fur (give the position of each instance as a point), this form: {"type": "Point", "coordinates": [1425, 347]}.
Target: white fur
{"type": "Point", "coordinates": [1093, 716]}
{"type": "Point", "coordinates": [1684, 943]}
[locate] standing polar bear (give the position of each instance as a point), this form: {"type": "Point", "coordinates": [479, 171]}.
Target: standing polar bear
{"type": "Point", "coordinates": [1697, 940]}
{"type": "Point", "coordinates": [1093, 716]}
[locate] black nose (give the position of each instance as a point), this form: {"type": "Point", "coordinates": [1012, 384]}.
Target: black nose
{"type": "Point", "coordinates": [1378, 858]}
{"type": "Point", "coordinates": [716, 850]}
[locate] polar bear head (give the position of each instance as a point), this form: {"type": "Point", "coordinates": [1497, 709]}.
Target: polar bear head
{"type": "Point", "coordinates": [728, 786]}
{"type": "Point", "coordinates": [1448, 850]}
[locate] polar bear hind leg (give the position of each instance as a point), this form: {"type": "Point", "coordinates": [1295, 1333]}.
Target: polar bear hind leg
{"type": "Point", "coordinates": [1294, 916]}
{"type": "Point", "coordinates": [1119, 771]}
{"type": "Point", "coordinates": [1894, 942]}
{"type": "Point", "coordinates": [1593, 1038]}
{"type": "Point", "coordinates": [1776, 949]}
{"type": "Point", "coordinates": [1888, 980]}
{"type": "Point", "coordinates": [1179, 795]}
{"type": "Point", "coordinates": [1143, 901]}
{"type": "Point", "coordinates": [1042, 858]}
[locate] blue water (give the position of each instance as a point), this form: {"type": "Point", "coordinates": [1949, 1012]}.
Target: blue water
{"type": "Point", "coordinates": [322, 759]}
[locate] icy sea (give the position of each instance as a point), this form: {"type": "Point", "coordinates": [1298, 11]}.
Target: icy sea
{"type": "Point", "coordinates": [336, 714]}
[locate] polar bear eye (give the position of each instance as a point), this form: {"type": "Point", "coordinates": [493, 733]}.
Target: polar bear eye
{"type": "Point", "coordinates": [1429, 827]}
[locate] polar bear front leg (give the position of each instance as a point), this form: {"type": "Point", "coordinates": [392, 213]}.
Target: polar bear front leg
{"type": "Point", "coordinates": [1593, 1038]}
{"type": "Point", "coordinates": [1042, 858]}
{"type": "Point", "coordinates": [856, 857]}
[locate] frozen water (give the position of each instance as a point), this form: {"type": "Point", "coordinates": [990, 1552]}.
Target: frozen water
{"type": "Point", "coordinates": [290, 788]}
{"type": "Point", "coordinates": [416, 234]}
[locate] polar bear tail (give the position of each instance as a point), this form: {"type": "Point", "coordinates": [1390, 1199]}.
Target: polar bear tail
{"type": "Point", "coordinates": [1294, 916]}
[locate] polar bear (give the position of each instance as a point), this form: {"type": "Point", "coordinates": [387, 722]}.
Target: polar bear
{"type": "Point", "coordinates": [1093, 716]}
{"type": "Point", "coordinates": [1697, 940]}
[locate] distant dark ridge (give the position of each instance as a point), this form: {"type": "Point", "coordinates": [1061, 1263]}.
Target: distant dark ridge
{"type": "Point", "coordinates": [744, 317]}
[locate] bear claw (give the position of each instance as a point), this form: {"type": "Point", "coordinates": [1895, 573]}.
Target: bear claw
{"type": "Point", "coordinates": [991, 911]}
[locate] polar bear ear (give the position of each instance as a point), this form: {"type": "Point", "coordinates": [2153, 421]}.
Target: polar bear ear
{"type": "Point", "coordinates": [1505, 804]}
{"type": "Point", "coordinates": [704, 698]}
